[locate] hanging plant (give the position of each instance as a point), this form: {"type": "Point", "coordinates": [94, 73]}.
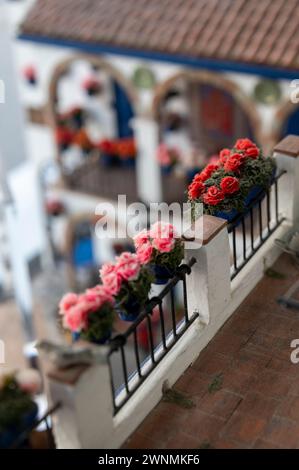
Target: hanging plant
{"type": "Point", "coordinates": [126, 151]}
{"type": "Point", "coordinates": [64, 137]}
{"type": "Point", "coordinates": [129, 282]}
{"type": "Point", "coordinates": [92, 86]}
{"type": "Point", "coordinates": [90, 315]}
{"type": "Point", "coordinates": [226, 187]}
{"type": "Point", "coordinates": [82, 140]}
{"type": "Point", "coordinates": [167, 157]}
{"type": "Point", "coordinates": [108, 153]}
{"type": "Point", "coordinates": [30, 74]}
{"type": "Point", "coordinates": [161, 250]}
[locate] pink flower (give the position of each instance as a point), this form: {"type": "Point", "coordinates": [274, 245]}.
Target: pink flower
{"type": "Point", "coordinates": [67, 301]}
{"type": "Point", "coordinates": [163, 155]}
{"type": "Point", "coordinates": [106, 269]}
{"type": "Point", "coordinates": [164, 245]}
{"type": "Point", "coordinates": [141, 238]}
{"type": "Point", "coordinates": [76, 317]}
{"type": "Point", "coordinates": [98, 295]}
{"type": "Point", "coordinates": [128, 266]}
{"type": "Point", "coordinates": [162, 230]}
{"type": "Point", "coordinates": [144, 253]}
{"type": "Point", "coordinates": [112, 282]}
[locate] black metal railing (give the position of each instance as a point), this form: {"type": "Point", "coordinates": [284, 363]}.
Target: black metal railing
{"type": "Point", "coordinates": [21, 440]}
{"type": "Point", "coordinates": [249, 231]}
{"type": "Point", "coordinates": [136, 353]}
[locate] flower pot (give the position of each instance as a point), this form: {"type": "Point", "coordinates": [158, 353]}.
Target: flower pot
{"type": "Point", "coordinates": [166, 169]}
{"type": "Point", "coordinates": [76, 336]}
{"type": "Point", "coordinates": [128, 162]}
{"type": "Point", "coordinates": [130, 310]}
{"type": "Point", "coordinates": [227, 215]}
{"type": "Point", "coordinates": [161, 273]}
{"type": "Point", "coordinates": [191, 173]}
{"type": "Point", "coordinates": [253, 193]}
{"type": "Point", "coordinates": [10, 435]}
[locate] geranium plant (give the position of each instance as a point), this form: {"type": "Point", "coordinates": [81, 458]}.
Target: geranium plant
{"type": "Point", "coordinates": [161, 249]}
{"type": "Point", "coordinates": [226, 186]}
{"type": "Point", "coordinates": [17, 407]}
{"type": "Point", "coordinates": [167, 157]}
{"type": "Point", "coordinates": [89, 315]}
{"type": "Point", "coordinates": [129, 282]}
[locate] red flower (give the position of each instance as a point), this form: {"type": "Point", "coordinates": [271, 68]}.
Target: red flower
{"type": "Point", "coordinates": [243, 144]}
{"type": "Point", "coordinates": [213, 196]}
{"type": "Point", "coordinates": [206, 172]}
{"type": "Point", "coordinates": [252, 152]}
{"type": "Point", "coordinates": [224, 154]}
{"type": "Point", "coordinates": [230, 185]}
{"type": "Point", "coordinates": [196, 189]}
{"type": "Point", "coordinates": [234, 162]}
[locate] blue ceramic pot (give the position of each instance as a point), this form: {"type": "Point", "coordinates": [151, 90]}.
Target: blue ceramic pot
{"type": "Point", "coordinates": [253, 193]}
{"type": "Point", "coordinates": [8, 437]}
{"type": "Point", "coordinates": [128, 162]}
{"type": "Point", "coordinates": [161, 273]}
{"type": "Point", "coordinates": [229, 216]}
{"type": "Point", "coordinates": [166, 169]}
{"type": "Point", "coordinates": [130, 310]}
{"type": "Point", "coordinates": [191, 173]}
{"type": "Point", "coordinates": [103, 340]}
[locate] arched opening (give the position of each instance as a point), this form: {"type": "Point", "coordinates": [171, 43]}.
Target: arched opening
{"type": "Point", "coordinates": [287, 120]}
{"type": "Point", "coordinates": [198, 114]}
{"type": "Point", "coordinates": [91, 109]}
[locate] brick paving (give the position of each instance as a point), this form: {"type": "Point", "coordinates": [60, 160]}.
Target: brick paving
{"type": "Point", "coordinates": [256, 401]}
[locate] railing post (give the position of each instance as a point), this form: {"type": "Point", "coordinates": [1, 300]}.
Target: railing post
{"type": "Point", "coordinates": [286, 153]}
{"type": "Point", "coordinates": [85, 417]}
{"type": "Point", "coordinates": [208, 285]}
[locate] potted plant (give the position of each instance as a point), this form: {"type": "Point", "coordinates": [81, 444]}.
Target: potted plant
{"type": "Point", "coordinates": [130, 282]}
{"type": "Point", "coordinates": [92, 86]}
{"type": "Point", "coordinates": [89, 315]}
{"type": "Point", "coordinates": [126, 150]}
{"type": "Point", "coordinates": [161, 250]}
{"type": "Point", "coordinates": [226, 187]}
{"type": "Point", "coordinates": [18, 411]}
{"type": "Point", "coordinates": [167, 157]}
{"type": "Point", "coordinates": [108, 152]}
{"type": "Point", "coordinates": [82, 140]}
{"type": "Point", "coordinates": [30, 74]}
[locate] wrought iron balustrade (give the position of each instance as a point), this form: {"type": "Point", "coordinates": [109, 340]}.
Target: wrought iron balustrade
{"type": "Point", "coordinates": [163, 322]}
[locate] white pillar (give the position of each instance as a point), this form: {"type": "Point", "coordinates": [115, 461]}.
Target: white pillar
{"type": "Point", "coordinates": [85, 417]}
{"type": "Point", "coordinates": [208, 285]}
{"type": "Point", "coordinates": [149, 182]}
{"type": "Point", "coordinates": [286, 154]}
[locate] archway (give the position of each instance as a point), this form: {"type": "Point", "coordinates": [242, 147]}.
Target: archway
{"type": "Point", "coordinates": [199, 113]}
{"type": "Point", "coordinates": [91, 106]}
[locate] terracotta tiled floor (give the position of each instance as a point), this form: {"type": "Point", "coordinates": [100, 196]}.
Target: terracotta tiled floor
{"type": "Point", "coordinates": [256, 404]}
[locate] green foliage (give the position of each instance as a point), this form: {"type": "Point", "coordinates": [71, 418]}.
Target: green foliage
{"type": "Point", "coordinates": [100, 323]}
{"type": "Point", "coordinates": [170, 260]}
{"type": "Point", "coordinates": [216, 383]}
{"type": "Point", "coordinates": [254, 172]}
{"type": "Point", "coordinates": [137, 290]}
{"type": "Point", "coordinates": [14, 403]}
{"type": "Point", "coordinates": [174, 396]}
